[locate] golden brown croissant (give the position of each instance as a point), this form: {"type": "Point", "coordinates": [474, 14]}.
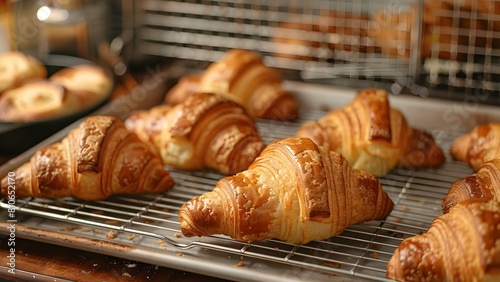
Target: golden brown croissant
{"type": "Point", "coordinates": [478, 146]}
{"type": "Point", "coordinates": [243, 77]}
{"type": "Point", "coordinates": [97, 159]}
{"type": "Point", "coordinates": [186, 86]}
{"type": "Point", "coordinates": [205, 131]}
{"type": "Point", "coordinates": [295, 191]}
{"type": "Point", "coordinates": [372, 136]}
{"type": "Point", "coordinates": [462, 245]}
{"type": "Point", "coordinates": [37, 100]}
{"type": "Point", "coordinates": [16, 68]}
{"type": "Point", "coordinates": [485, 183]}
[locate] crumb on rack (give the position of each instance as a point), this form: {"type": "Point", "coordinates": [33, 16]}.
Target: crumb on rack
{"type": "Point", "coordinates": [240, 264]}
{"type": "Point", "coordinates": [97, 231]}
{"type": "Point", "coordinates": [177, 235]}
{"type": "Point", "coordinates": [180, 254]}
{"type": "Point", "coordinates": [131, 237]}
{"type": "Point", "coordinates": [69, 228]}
{"type": "Point", "coordinates": [111, 234]}
{"type": "Point", "coordinates": [375, 255]}
{"type": "Point", "coordinates": [398, 235]}
{"type": "Point", "coordinates": [405, 208]}
{"type": "Point", "coordinates": [331, 264]}
{"type": "Point", "coordinates": [111, 222]}
{"type": "Point", "coordinates": [147, 220]}
{"type": "Point", "coordinates": [162, 243]}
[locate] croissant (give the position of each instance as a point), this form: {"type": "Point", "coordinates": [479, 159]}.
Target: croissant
{"type": "Point", "coordinates": [205, 131]}
{"type": "Point", "coordinates": [372, 136]}
{"type": "Point", "coordinates": [478, 146]}
{"type": "Point", "coordinates": [462, 245]}
{"type": "Point", "coordinates": [95, 160]}
{"type": "Point", "coordinates": [295, 191]}
{"type": "Point", "coordinates": [485, 183]}
{"type": "Point", "coordinates": [243, 77]}
{"type": "Point", "coordinates": [187, 86]}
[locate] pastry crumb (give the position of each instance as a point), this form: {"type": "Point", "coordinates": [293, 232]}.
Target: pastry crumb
{"type": "Point", "coordinates": [180, 254]}
{"type": "Point", "coordinates": [398, 235]}
{"type": "Point", "coordinates": [111, 222]}
{"type": "Point", "coordinates": [131, 237]}
{"type": "Point", "coordinates": [375, 255]}
{"type": "Point", "coordinates": [126, 274]}
{"type": "Point", "coordinates": [111, 234]}
{"type": "Point", "coordinates": [240, 264]}
{"type": "Point", "coordinates": [177, 235]}
{"type": "Point", "coordinates": [162, 243]}
{"type": "Point", "coordinates": [69, 228]}
{"type": "Point", "coordinates": [331, 264]}
{"type": "Point", "coordinates": [97, 231]}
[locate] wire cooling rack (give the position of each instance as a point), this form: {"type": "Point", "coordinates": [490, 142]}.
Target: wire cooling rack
{"type": "Point", "coordinates": [150, 223]}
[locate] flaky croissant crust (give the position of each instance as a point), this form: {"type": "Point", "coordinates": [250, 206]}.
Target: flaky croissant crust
{"type": "Point", "coordinates": [462, 245]}
{"type": "Point", "coordinates": [96, 160]}
{"type": "Point", "coordinates": [205, 131]}
{"type": "Point", "coordinates": [242, 76]}
{"type": "Point", "coordinates": [294, 191]}
{"type": "Point", "coordinates": [372, 136]}
{"type": "Point", "coordinates": [485, 183]}
{"type": "Point", "coordinates": [480, 145]}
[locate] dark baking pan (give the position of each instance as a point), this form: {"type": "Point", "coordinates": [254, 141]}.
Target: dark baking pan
{"type": "Point", "coordinates": [17, 137]}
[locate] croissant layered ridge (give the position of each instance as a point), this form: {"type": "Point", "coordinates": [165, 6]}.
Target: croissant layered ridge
{"type": "Point", "coordinates": [241, 76]}
{"type": "Point", "coordinates": [98, 159]}
{"type": "Point", "coordinates": [462, 245]}
{"type": "Point", "coordinates": [485, 183]}
{"type": "Point", "coordinates": [205, 131]}
{"type": "Point", "coordinates": [478, 146]}
{"type": "Point", "coordinates": [372, 136]}
{"type": "Point", "coordinates": [295, 191]}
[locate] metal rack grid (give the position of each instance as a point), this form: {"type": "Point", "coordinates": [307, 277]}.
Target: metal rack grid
{"type": "Point", "coordinates": [454, 51]}
{"type": "Point", "coordinates": [150, 222]}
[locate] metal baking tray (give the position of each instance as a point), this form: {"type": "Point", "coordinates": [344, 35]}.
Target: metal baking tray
{"type": "Point", "coordinates": [145, 228]}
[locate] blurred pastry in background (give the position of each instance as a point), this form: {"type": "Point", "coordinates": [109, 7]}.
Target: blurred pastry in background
{"type": "Point", "coordinates": [187, 86]}
{"type": "Point", "coordinates": [16, 67]}
{"type": "Point", "coordinates": [91, 82]}
{"type": "Point", "coordinates": [346, 31]}
{"type": "Point", "coordinates": [297, 40]}
{"type": "Point", "coordinates": [447, 31]}
{"type": "Point", "coordinates": [37, 100]}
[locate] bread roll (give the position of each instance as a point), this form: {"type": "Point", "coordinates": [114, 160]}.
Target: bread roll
{"type": "Point", "coordinates": [37, 100]}
{"type": "Point", "coordinates": [91, 82]}
{"type": "Point", "coordinates": [16, 67]}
